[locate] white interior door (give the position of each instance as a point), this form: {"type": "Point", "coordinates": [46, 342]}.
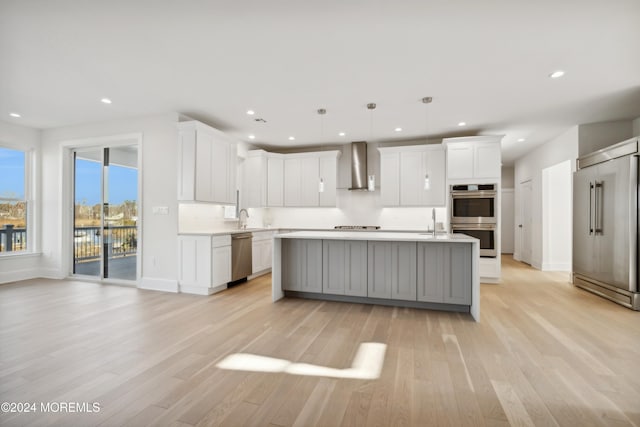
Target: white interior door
{"type": "Point", "coordinates": [525, 222]}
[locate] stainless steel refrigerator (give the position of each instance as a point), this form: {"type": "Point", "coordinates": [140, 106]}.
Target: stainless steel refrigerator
{"type": "Point", "coordinates": [605, 223]}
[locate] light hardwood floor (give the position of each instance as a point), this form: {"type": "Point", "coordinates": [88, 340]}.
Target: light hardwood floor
{"type": "Point", "coordinates": [545, 353]}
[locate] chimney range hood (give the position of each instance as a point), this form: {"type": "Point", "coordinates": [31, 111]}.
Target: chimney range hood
{"type": "Point", "coordinates": [359, 166]}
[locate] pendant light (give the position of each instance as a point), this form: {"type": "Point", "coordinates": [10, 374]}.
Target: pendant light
{"type": "Point", "coordinates": [321, 112]}
{"type": "Point", "coordinates": [426, 100]}
{"type": "Point", "coordinates": [371, 179]}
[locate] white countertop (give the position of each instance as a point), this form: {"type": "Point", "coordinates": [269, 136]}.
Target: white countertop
{"type": "Point", "coordinates": [378, 236]}
{"type": "Point", "coordinates": [224, 232]}
{"type": "Point", "coordinates": [220, 232]}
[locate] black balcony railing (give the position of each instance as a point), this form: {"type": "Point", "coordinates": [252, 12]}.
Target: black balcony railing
{"type": "Point", "coordinates": [119, 240]}
{"type": "Point", "coordinates": [13, 239]}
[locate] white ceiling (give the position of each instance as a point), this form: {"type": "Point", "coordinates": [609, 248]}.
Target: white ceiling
{"type": "Point", "coordinates": [484, 62]}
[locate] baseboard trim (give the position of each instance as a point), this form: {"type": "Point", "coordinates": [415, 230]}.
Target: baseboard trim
{"type": "Point", "coordinates": [52, 273]}
{"type": "Point", "coordinates": [556, 267]}
{"type": "Point", "coordinates": [259, 273]}
{"type": "Point", "coordinates": [199, 290]}
{"type": "Point", "coordinates": [155, 284]}
{"type": "Point", "coordinates": [18, 275]}
{"type": "Point", "coordinates": [490, 280]}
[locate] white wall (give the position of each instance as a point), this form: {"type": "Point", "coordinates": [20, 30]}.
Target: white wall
{"type": "Point", "coordinates": [159, 188]}
{"type": "Point", "coordinates": [21, 267]}
{"type": "Point", "coordinates": [557, 214]}
{"type": "Point", "coordinates": [636, 127]}
{"type": "Point", "coordinates": [507, 226]}
{"type": "Point", "coordinates": [507, 178]}
{"type": "Point", "coordinates": [594, 136]}
{"type": "Point", "coordinates": [529, 167]}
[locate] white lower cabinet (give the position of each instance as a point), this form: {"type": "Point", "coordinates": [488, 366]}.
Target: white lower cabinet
{"type": "Point", "coordinates": [204, 263]}
{"type": "Point", "coordinates": [221, 264]}
{"type": "Point", "coordinates": [440, 276]}
{"type": "Point", "coordinates": [302, 265]}
{"type": "Point", "coordinates": [261, 251]}
{"type": "Point", "coordinates": [344, 267]}
{"type": "Point", "coordinates": [392, 270]}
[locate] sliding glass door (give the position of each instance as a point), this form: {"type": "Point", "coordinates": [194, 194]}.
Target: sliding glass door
{"type": "Point", "coordinates": [105, 237]}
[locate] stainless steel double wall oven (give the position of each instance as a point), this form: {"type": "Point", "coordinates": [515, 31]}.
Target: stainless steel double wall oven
{"type": "Point", "coordinates": [474, 212]}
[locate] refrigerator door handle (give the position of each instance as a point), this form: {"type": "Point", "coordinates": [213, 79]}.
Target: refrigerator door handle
{"type": "Point", "coordinates": [590, 208]}
{"type": "Point", "coordinates": [597, 208]}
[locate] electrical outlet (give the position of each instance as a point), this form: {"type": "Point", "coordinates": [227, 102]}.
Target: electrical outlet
{"type": "Point", "coordinates": [160, 210]}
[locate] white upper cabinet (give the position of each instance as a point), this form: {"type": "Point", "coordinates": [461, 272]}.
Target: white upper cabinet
{"type": "Point", "coordinates": [272, 179]}
{"type": "Point", "coordinates": [292, 185]}
{"type": "Point", "coordinates": [263, 180]}
{"type": "Point", "coordinates": [473, 157]}
{"type": "Point", "coordinates": [413, 175]}
{"type": "Point", "coordinates": [329, 178]}
{"type": "Point", "coordinates": [254, 182]}
{"type": "Point", "coordinates": [389, 178]}
{"type": "Point", "coordinates": [275, 180]}
{"type": "Point", "coordinates": [309, 181]}
{"type": "Point", "coordinates": [487, 161]}
{"type": "Point", "coordinates": [206, 164]}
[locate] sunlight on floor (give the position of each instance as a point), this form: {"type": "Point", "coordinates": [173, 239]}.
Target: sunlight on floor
{"type": "Point", "coordinates": [367, 364]}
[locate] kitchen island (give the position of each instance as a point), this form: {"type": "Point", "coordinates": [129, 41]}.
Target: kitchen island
{"type": "Point", "coordinates": [400, 269]}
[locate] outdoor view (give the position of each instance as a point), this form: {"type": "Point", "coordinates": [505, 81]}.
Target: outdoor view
{"type": "Point", "coordinates": [120, 209]}
{"type": "Point", "coordinates": [13, 203]}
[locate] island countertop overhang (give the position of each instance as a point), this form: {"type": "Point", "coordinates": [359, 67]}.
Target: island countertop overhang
{"type": "Point", "coordinates": [378, 236]}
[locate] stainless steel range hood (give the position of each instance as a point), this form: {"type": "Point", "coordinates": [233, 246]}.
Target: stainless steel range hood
{"type": "Point", "coordinates": [359, 166]}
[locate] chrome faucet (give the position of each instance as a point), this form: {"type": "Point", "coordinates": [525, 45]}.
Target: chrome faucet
{"type": "Point", "coordinates": [242, 222]}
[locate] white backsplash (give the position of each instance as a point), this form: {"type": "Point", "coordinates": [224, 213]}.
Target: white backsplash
{"type": "Point", "coordinates": [202, 217]}
{"type": "Point", "coordinates": [353, 208]}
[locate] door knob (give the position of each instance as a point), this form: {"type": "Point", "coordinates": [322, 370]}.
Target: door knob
{"type": "Point", "coordinates": [520, 225]}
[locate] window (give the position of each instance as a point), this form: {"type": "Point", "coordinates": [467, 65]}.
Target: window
{"type": "Point", "coordinates": [14, 205]}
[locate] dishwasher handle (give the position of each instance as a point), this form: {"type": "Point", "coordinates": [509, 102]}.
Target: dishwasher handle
{"type": "Point", "coordinates": [243, 236]}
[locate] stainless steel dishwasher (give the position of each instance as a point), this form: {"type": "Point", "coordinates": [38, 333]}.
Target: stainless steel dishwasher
{"type": "Point", "coordinates": [240, 256]}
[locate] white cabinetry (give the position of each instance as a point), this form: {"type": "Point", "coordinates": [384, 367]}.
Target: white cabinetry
{"type": "Point", "coordinates": [473, 157]}
{"type": "Point", "coordinates": [261, 251]}
{"type": "Point", "coordinates": [272, 179]}
{"type": "Point", "coordinates": [254, 182]}
{"type": "Point", "coordinates": [263, 180]}
{"type": "Point", "coordinates": [204, 263]}
{"type": "Point", "coordinates": [328, 175]}
{"type": "Point", "coordinates": [275, 180]}
{"type": "Point", "coordinates": [404, 172]}
{"type": "Point", "coordinates": [206, 164]}
{"type": "Point", "coordinates": [302, 175]}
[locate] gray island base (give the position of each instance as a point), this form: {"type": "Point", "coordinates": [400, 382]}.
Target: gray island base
{"type": "Point", "coordinates": [400, 269]}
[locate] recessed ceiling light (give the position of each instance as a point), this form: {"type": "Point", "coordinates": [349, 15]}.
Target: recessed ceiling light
{"type": "Point", "coordinates": [16, 115]}
{"type": "Point", "coordinates": [520, 139]}
{"type": "Point", "coordinates": [462, 124]}
{"type": "Point", "coordinates": [252, 137]}
{"type": "Point", "coordinates": [342, 134]}
{"type": "Point", "coordinates": [398, 129]}
{"type": "Point", "coordinates": [556, 74]}
{"type": "Point", "coordinates": [291, 138]}
{"type": "Point", "coordinates": [250, 112]}
{"type": "Point", "coordinates": [105, 101]}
